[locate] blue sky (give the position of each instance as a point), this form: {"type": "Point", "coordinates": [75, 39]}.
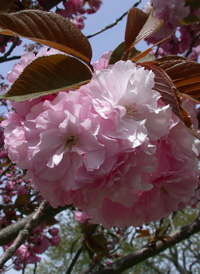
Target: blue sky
{"type": "Point", "coordinates": [108, 40]}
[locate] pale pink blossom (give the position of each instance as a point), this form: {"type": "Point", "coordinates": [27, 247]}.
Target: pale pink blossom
{"type": "Point", "coordinates": [102, 63]}
{"type": "Point", "coordinates": [171, 12]}
{"type": "Point", "coordinates": [112, 148]}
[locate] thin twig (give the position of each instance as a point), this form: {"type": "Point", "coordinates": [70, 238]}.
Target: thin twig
{"type": "Point", "coordinates": [11, 58]}
{"type": "Point", "coordinates": [78, 253]}
{"type": "Point", "coordinates": [112, 24]}
{"type": "Point", "coordinates": [35, 268]}
{"type": "Point", "coordinates": [13, 46]}
{"type": "Point", "coordinates": [5, 170]}
{"type": "Point", "coordinates": [192, 45]}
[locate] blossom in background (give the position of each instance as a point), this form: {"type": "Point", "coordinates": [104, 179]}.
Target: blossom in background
{"type": "Point", "coordinates": [75, 9]}
{"type": "Point", "coordinates": [112, 148]}
{"type": "Point", "coordinates": [172, 12]}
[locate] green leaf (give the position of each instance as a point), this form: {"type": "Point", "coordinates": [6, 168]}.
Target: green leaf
{"type": "Point", "coordinates": [47, 75]}
{"type": "Point", "coordinates": [117, 53]}
{"type": "Point", "coordinates": [189, 20]}
{"type": "Point", "coordinates": [74, 243]}
{"type": "Point", "coordinates": [47, 28]}
{"type": "Point", "coordinates": [120, 54]}
{"type": "Point", "coordinates": [139, 26]}
{"type": "Point", "coordinates": [159, 231]}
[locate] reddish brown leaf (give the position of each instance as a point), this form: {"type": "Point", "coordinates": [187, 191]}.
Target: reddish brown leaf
{"type": "Point", "coordinates": [185, 75]}
{"type": "Point", "coordinates": [46, 75]}
{"type": "Point", "coordinates": [49, 29]}
{"type": "Point", "coordinates": [5, 4]}
{"type": "Point", "coordinates": [97, 243]}
{"type": "Point", "coordinates": [194, 4]}
{"type": "Point", "coordinates": [143, 233]}
{"type": "Point", "coordinates": [168, 91]}
{"type": "Point", "coordinates": [21, 201]}
{"type": "Point", "coordinates": [142, 55]}
{"type": "Point", "coordinates": [139, 26]}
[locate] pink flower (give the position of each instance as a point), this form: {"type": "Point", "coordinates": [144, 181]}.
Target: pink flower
{"type": "Point", "coordinates": [15, 140]}
{"type": "Point", "coordinates": [81, 217]}
{"type": "Point", "coordinates": [54, 231]}
{"type": "Point", "coordinates": [41, 244]}
{"type": "Point", "coordinates": [21, 190]}
{"type": "Point", "coordinates": [171, 12]}
{"type": "Point", "coordinates": [102, 63]}
{"type": "Point", "coordinates": [55, 240]}
{"type": "Point", "coordinates": [79, 21]}
{"type": "Point", "coordinates": [112, 149]}
{"type": "Point", "coordinates": [39, 229]}
{"type": "Point", "coordinates": [71, 7]}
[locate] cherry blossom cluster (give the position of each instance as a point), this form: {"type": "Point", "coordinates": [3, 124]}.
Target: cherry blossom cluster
{"type": "Point", "coordinates": [38, 243]}
{"type": "Point", "coordinates": [17, 200]}
{"type": "Point", "coordinates": [14, 204]}
{"type": "Point", "coordinates": [112, 148]}
{"type": "Point", "coordinates": [184, 37]}
{"type": "Point", "coordinates": [75, 9]}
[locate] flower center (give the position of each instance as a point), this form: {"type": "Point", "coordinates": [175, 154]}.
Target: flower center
{"type": "Point", "coordinates": [130, 111]}
{"type": "Point", "coordinates": [71, 141]}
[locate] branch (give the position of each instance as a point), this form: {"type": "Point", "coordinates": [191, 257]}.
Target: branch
{"type": "Point", "coordinates": [195, 39]}
{"type": "Point", "coordinates": [74, 260]}
{"type": "Point", "coordinates": [11, 58]}
{"type": "Point", "coordinates": [13, 46]}
{"type": "Point", "coordinates": [9, 233]}
{"type": "Point", "coordinates": [23, 235]}
{"type": "Point", "coordinates": [114, 23]}
{"type": "Point", "coordinates": [141, 255]}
